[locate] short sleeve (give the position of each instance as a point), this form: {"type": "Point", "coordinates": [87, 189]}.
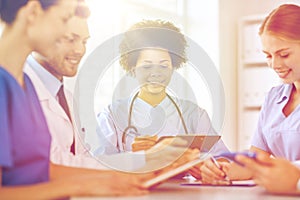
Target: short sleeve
{"type": "Point", "coordinates": [5, 141]}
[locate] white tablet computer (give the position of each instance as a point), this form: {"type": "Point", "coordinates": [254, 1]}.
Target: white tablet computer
{"type": "Point", "coordinates": [202, 142]}
{"type": "Point", "coordinates": [164, 175]}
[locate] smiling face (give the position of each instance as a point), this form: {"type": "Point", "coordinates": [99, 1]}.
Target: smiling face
{"type": "Point", "coordinates": [66, 54]}
{"type": "Point", "coordinates": [153, 70]}
{"type": "Point", "coordinates": [283, 56]}
{"type": "Point", "coordinates": [46, 26]}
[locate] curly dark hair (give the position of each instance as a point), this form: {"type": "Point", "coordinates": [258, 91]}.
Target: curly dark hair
{"type": "Point", "coordinates": [152, 34]}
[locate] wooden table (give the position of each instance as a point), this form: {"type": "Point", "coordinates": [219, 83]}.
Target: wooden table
{"type": "Point", "coordinates": [173, 191]}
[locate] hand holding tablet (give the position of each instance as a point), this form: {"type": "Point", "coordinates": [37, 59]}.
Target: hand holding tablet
{"type": "Point", "coordinates": [199, 141]}
{"type": "Point", "coordinates": [231, 155]}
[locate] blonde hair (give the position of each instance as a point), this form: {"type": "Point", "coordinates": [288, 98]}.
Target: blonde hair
{"type": "Point", "coordinates": [283, 22]}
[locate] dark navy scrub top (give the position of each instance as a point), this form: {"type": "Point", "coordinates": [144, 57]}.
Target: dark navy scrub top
{"type": "Point", "coordinates": [24, 135]}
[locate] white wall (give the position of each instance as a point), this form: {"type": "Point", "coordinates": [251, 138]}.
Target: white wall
{"type": "Point", "coordinates": [230, 11]}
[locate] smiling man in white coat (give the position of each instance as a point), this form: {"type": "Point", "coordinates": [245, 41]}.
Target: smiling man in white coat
{"type": "Point", "coordinates": [47, 74]}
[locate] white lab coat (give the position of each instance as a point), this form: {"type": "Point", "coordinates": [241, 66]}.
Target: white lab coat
{"type": "Point", "coordinates": [161, 120]}
{"type": "Point", "coordinates": [63, 130]}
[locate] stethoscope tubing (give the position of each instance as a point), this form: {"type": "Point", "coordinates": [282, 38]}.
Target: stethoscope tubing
{"type": "Point", "coordinates": [129, 126]}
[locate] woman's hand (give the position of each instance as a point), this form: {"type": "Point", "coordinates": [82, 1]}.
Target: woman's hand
{"type": "Point", "coordinates": [170, 151]}
{"type": "Point", "coordinates": [276, 175]}
{"type": "Point", "coordinates": [211, 173]}
{"type": "Point", "coordinates": [143, 143]}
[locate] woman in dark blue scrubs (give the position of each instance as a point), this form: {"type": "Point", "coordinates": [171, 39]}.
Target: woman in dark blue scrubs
{"type": "Point", "coordinates": [34, 25]}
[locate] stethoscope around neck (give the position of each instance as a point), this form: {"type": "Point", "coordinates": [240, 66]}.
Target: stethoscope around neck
{"type": "Point", "coordinates": [132, 130]}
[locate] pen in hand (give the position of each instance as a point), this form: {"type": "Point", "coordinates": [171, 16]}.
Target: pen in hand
{"type": "Point", "coordinates": [226, 178]}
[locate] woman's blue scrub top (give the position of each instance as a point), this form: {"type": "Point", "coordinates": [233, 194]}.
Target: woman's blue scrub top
{"type": "Point", "coordinates": [24, 135]}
